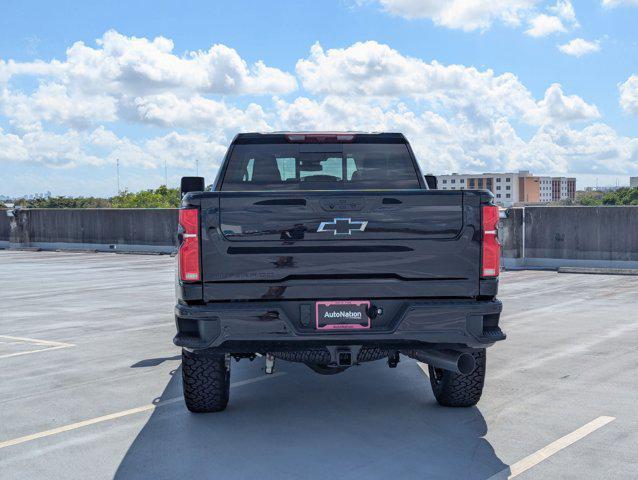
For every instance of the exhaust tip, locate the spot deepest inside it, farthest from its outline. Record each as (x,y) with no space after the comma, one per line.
(466,363)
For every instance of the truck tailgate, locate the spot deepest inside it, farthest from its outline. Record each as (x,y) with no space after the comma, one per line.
(335,244)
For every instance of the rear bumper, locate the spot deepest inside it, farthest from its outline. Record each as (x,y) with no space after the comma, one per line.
(265,326)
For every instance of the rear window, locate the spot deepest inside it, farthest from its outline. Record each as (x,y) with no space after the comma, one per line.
(300,166)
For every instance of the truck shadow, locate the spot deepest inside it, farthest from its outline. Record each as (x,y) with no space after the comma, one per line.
(154,362)
(368,422)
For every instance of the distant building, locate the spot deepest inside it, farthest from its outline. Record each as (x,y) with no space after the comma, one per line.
(546,189)
(512,188)
(562,188)
(633,182)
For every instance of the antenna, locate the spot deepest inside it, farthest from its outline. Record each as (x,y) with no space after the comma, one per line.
(117,166)
(197,167)
(165,174)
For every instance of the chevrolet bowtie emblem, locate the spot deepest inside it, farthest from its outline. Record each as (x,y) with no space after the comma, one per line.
(343,226)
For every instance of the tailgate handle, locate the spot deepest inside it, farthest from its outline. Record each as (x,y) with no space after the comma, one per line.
(282,201)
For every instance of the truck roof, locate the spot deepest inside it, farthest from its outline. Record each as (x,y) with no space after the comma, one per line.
(323,136)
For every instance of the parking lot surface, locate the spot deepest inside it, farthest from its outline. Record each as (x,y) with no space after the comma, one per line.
(91,388)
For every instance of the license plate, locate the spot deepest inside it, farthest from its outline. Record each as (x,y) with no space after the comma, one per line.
(342,315)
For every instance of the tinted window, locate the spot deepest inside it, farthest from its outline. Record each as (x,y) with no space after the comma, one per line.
(302,167)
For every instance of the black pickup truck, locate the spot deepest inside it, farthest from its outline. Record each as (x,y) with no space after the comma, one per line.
(330,249)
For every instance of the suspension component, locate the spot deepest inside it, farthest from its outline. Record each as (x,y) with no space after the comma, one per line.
(270,363)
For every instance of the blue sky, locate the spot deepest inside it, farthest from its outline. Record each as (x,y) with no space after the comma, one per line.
(474,88)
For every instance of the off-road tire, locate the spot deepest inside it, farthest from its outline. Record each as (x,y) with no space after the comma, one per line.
(457,390)
(206,382)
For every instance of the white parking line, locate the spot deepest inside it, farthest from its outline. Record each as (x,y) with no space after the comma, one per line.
(545,452)
(554,447)
(37,341)
(50,345)
(123,413)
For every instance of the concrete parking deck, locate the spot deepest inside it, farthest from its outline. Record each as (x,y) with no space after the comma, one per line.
(90,388)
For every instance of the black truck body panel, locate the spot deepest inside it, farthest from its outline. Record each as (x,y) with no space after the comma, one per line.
(267,256)
(256,246)
(267,326)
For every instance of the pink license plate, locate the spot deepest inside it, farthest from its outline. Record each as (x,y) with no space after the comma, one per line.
(342,315)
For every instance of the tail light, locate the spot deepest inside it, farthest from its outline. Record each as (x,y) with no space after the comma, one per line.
(189,247)
(491,252)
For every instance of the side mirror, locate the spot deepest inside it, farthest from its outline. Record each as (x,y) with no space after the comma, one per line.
(431,181)
(192,184)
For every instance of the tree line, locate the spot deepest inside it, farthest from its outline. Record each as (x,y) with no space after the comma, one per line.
(162,197)
(622,196)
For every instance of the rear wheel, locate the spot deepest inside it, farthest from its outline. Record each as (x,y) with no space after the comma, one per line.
(206,381)
(456,390)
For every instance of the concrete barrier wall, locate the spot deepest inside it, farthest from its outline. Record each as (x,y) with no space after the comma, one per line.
(109,226)
(511,233)
(571,236)
(5,229)
(97,229)
(584,233)
(541,237)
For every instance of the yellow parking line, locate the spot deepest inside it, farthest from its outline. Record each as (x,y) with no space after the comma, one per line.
(113,416)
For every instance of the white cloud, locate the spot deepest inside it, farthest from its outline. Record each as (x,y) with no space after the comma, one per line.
(12,148)
(37,68)
(457,144)
(557,107)
(137,66)
(335,112)
(102,147)
(629,95)
(176,149)
(458,118)
(199,113)
(616,3)
(48,148)
(562,19)
(594,149)
(565,10)
(371,69)
(183,150)
(579,47)
(466,15)
(440,144)
(471,15)
(53,102)
(543,25)
(139,80)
